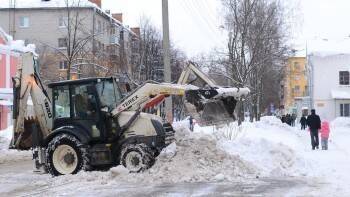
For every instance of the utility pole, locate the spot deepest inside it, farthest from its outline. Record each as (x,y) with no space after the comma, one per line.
(166,54)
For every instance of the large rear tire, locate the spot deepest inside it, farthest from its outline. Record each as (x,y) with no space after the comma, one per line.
(65,154)
(137,157)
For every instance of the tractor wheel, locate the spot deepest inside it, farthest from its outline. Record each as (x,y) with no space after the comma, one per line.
(65,154)
(137,157)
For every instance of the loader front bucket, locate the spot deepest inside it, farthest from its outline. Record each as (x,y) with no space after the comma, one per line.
(207,109)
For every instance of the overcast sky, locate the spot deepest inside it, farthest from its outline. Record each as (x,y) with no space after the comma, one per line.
(194,24)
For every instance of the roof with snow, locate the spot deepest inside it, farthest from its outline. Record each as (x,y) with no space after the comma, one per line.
(30,4)
(328,47)
(16,46)
(338,94)
(45,4)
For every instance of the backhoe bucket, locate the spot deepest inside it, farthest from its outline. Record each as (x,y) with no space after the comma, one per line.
(208,110)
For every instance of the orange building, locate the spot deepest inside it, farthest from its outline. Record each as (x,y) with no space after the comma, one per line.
(295,84)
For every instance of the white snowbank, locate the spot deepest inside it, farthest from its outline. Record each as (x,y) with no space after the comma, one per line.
(7,155)
(266,148)
(273,148)
(341,122)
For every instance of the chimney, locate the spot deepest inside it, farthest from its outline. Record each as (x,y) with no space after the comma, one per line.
(97,2)
(118,17)
(136,30)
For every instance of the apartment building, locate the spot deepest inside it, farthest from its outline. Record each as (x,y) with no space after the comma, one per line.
(77,34)
(295,84)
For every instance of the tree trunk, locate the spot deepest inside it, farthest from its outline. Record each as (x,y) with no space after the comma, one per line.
(240,112)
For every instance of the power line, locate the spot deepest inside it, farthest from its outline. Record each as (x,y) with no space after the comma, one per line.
(199,22)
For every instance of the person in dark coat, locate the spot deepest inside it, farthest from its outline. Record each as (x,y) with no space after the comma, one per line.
(191,123)
(303,122)
(289,119)
(283,118)
(314,123)
(293,117)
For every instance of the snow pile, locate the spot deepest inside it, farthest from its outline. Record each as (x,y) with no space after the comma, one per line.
(197,159)
(194,157)
(341,122)
(7,155)
(273,148)
(5,137)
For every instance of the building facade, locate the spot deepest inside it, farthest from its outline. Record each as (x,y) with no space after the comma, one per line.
(81,36)
(8,63)
(295,84)
(330,84)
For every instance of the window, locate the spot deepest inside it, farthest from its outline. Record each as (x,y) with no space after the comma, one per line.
(296,91)
(306,93)
(62,102)
(63,65)
(63,21)
(296,66)
(99,26)
(108,95)
(344,77)
(85,105)
(62,43)
(24,21)
(345,110)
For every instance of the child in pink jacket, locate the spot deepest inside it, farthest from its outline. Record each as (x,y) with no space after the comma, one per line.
(324,134)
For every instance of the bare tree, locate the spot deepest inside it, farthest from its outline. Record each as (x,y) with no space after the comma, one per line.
(77,44)
(256,47)
(151,58)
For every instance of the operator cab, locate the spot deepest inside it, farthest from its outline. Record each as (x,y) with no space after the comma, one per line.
(85,104)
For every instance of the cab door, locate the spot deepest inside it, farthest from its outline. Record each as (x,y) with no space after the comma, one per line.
(86,110)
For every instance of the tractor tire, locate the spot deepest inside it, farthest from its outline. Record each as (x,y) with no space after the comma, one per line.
(65,154)
(137,157)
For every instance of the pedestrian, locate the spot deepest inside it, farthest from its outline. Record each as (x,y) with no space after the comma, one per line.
(289,119)
(314,123)
(324,134)
(191,123)
(294,117)
(283,118)
(303,122)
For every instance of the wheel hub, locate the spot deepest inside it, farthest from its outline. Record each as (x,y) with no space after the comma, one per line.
(133,161)
(65,159)
(69,158)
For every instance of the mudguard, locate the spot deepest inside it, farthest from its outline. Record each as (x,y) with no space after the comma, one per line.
(75,131)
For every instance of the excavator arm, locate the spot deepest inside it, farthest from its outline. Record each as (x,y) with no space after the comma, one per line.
(207,102)
(27,83)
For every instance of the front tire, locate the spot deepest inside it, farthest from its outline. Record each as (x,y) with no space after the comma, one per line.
(65,154)
(137,157)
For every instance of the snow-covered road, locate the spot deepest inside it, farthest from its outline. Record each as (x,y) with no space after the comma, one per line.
(211,161)
(17,179)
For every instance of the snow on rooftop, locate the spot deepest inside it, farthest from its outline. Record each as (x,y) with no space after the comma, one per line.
(338,94)
(57,4)
(328,47)
(14,45)
(45,4)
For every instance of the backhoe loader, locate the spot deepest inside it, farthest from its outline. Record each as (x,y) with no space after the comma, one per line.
(88,124)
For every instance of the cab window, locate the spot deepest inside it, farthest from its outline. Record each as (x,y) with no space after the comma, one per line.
(109,96)
(84,102)
(62,102)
